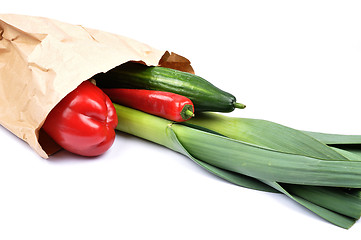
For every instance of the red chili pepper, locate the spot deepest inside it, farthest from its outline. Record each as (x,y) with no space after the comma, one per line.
(83,122)
(163,104)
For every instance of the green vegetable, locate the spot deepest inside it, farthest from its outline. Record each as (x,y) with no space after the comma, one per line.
(336,139)
(204,95)
(319,180)
(266,134)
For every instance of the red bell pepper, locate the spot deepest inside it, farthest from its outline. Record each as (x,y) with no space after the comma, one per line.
(83,122)
(167,105)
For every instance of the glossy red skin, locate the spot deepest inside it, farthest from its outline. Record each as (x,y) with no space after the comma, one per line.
(163,104)
(83,122)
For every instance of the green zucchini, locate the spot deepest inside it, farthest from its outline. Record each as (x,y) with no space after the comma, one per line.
(204,95)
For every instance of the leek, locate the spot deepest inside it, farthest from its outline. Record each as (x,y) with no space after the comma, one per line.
(276,159)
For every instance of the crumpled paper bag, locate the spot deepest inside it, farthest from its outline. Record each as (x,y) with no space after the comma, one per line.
(42,60)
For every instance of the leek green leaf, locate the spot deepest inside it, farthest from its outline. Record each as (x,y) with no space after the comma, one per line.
(331,216)
(332,139)
(266,164)
(266,134)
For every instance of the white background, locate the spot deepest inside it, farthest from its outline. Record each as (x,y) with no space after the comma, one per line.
(293,62)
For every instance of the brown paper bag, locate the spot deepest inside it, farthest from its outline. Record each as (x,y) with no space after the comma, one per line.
(42,60)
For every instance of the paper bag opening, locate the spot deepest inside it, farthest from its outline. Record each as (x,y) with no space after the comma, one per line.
(42,60)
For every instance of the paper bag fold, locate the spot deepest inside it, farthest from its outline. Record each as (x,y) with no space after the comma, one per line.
(42,60)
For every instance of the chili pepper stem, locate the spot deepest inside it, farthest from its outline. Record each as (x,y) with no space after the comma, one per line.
(187,112)
(239,105)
